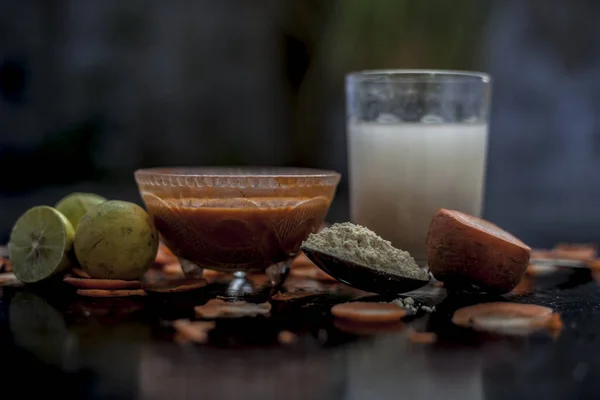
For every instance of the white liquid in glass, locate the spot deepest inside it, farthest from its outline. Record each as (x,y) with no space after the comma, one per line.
(401,174)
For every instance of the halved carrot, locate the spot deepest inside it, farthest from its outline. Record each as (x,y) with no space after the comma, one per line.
(108,284)
(368,312)
(468,252)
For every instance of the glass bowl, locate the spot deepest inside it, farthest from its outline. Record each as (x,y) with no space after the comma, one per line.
(236,219)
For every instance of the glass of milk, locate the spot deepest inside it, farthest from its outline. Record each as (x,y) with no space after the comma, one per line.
(417,142)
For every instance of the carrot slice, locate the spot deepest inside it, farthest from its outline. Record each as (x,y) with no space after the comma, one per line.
(211,273)
(80,273)
(594,264)
(110,293)
(216,308)
(287,337)
(468,252)
(555,323)
(108,284)
(368,312)
(173,268)
(564,251)
(174,285)
(540,270)
(575,251)
(369,328)
(575,246)
(164,255)
(180,339)
(302,261)
(503,317)
(7,265)
(312,272)
(422,337)
(287,296)
(525,286)
(195,331)
(8,279)
(541,254)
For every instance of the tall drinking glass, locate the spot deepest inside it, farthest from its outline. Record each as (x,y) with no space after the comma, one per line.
(417,142)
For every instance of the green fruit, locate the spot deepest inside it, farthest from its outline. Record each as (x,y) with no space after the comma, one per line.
(116,240)
(40,244)
(76,205)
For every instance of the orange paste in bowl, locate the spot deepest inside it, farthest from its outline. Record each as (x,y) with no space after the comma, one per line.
(236,234)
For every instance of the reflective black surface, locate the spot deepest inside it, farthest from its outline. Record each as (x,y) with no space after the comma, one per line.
(53,342)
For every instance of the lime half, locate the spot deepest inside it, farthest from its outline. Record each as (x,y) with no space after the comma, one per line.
(40,243)
(76,205)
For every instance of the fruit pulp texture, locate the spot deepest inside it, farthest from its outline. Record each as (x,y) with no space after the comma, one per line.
(237,234)
(401,174)
(40,243)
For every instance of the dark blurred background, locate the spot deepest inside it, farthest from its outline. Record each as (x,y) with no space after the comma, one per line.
(92,90)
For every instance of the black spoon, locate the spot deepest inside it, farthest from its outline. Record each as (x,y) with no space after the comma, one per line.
(361,276)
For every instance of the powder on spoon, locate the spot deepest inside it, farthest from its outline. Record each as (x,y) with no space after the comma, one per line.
(358,244)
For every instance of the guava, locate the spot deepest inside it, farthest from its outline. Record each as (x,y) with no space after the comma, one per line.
(76,205)
(116,240)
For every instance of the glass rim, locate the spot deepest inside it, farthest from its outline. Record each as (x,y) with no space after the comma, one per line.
(417,75)
(251,178)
